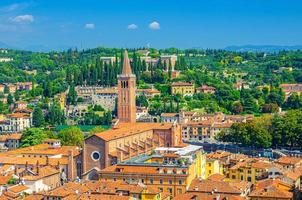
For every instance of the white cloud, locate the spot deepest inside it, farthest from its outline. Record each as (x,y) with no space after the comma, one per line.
(154,25)
(23,19)
(90,26)
(132,26)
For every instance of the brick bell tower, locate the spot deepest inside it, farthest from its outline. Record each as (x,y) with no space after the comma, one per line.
(126,111)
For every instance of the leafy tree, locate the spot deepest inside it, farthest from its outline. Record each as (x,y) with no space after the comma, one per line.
(237,107)
(270,108)
(33,136)
(71,136)
(38,117)
(55,115)
(72,96)
(294,101)
(142,101)
(6,89)
(10,99)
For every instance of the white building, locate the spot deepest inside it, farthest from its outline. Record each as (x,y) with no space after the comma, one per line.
(6,59)
(16,122)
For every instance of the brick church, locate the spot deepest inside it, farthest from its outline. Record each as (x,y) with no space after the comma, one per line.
(127,138)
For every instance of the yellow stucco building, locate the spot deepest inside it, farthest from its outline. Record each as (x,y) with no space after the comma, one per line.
(170,170)
(182,88)
(251,170)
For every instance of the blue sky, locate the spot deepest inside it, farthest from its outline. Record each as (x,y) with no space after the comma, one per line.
(158,23)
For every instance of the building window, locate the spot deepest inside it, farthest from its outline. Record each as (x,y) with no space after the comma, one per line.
(95,156)
(170,190)
(179,191)
(170,182)
(161,181)
(249,179)
(151,181)
(180,182)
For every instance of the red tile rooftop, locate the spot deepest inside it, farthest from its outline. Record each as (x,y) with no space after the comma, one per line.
(127,129)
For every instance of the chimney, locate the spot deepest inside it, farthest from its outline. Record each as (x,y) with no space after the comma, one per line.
(37,166)
(58,165)
(47,161)
(15,170)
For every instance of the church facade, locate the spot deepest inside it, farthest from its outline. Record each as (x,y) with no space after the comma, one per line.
(127,138)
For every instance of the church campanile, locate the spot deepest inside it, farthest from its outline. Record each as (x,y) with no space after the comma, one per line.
(126,111)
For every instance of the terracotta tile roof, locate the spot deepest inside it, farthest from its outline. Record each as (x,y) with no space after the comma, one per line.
(218,155)
(206,87)
(9,195)
(206,196)
(207,123)
(67,189)
(43,149)
(18,188)
(293,175)
(262,165)
(286,160)
(169,114)
(101,196)
(218,186)
(18,115)
(37,154)
(95,189)
(13,136)
(127,129)
(270,182)
(4,168)
(4,179)
(222,125)
(253,163)
(33,161)
(43,172)
(216,177)
(131,169)
(33,197)
(271,192)
(20,110)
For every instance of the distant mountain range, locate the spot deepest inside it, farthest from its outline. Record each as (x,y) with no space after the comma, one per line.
(36,48)
(263,48)
(242,48)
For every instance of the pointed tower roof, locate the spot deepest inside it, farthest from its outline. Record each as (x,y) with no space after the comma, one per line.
(126,64)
